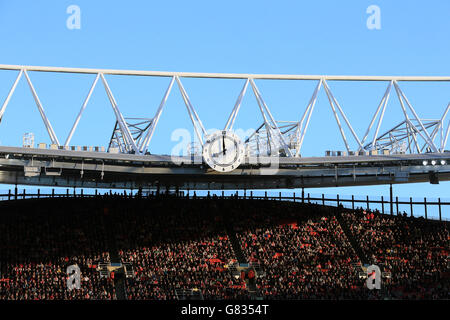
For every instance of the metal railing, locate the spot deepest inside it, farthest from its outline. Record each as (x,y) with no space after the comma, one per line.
(385,206)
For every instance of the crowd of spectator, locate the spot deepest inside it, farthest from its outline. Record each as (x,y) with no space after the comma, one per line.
(39,240)
(177,245)
(412,252)
(303,253)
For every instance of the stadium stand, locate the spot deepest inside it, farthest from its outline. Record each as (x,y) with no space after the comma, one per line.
(304,254)
(413,252)
(177,246)
(214,248)
(38,240)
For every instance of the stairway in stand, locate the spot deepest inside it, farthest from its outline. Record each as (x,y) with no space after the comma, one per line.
(119,273)
(359,252)
(242,260)
(235,245)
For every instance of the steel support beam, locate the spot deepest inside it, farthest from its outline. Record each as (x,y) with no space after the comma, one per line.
(427,138)
(151,130)
(230,122)
(223,75)
(381,106)
(309,110)
(274,125)
(342,114)
(197,123)
(131,145)
(13,88)
(46,121)
(77,120)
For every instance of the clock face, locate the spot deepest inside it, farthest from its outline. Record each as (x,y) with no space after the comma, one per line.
(223,151)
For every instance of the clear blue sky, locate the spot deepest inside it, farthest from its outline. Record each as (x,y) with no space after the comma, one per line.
(294,37)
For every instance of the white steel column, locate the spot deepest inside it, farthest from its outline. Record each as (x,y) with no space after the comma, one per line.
(408,123)
(192,113)
(382,105)
(230,123)
(277,130)
(122,123)
(446,136)
(13,88)
(155,119)
(428,138)
(311,104)
(69,137)
(380,120)
(47,124)
(342,114)
(266,123)
(442,127)
(337,117)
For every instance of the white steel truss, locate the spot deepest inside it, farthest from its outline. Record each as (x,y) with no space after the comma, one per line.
(48,126)
(413,134)
(138,128)
(222,75)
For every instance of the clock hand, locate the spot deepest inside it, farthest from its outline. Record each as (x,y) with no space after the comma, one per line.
(218,153)
(223,145)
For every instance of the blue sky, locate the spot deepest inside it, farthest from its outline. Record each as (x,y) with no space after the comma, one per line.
(292,37)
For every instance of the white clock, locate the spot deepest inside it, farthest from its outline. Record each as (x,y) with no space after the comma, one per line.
(223,151)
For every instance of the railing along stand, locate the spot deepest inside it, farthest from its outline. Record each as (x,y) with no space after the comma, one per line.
(425,204)
(391,199)
(439,204)
(396,203)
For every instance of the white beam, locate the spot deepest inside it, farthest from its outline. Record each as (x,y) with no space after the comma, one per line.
(223,75)
(195,122)
(382,106)
(47,124)
(274,124)
(155,119)
(427,138)
(310,108)
(230,123)
(119,117)
(336,116)
(77,120)
(13,88)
